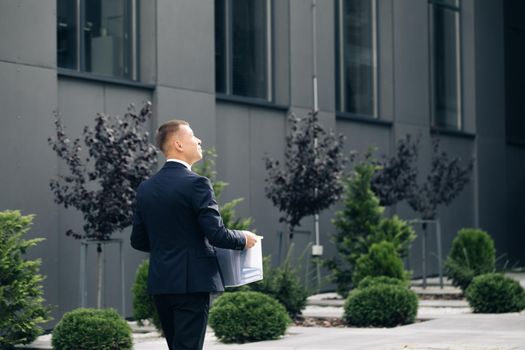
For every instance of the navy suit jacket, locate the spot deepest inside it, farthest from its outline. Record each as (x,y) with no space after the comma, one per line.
(177,221)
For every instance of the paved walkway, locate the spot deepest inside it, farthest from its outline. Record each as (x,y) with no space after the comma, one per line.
(446,332)
(458,332)
(443,325)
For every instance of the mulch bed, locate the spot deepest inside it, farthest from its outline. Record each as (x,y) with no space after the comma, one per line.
(301,321)
(441,296)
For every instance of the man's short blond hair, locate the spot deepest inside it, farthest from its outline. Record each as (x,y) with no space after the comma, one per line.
(166,130)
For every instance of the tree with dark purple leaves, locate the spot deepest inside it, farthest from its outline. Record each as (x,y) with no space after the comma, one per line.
(395,176)
(309,181)
(447,178)
(102,185)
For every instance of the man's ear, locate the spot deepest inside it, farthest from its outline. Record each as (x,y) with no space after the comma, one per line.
(176,144)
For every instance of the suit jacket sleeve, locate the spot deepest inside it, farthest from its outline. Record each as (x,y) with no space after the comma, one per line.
(210,220)
(139,235)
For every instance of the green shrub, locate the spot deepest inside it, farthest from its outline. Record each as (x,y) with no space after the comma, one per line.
(472,254)
(143,304)
(398,232)
(283,284)
(370,281)
(381,305)
(21,308)
(495,293)
(360,224)
(241,317)
(381,260)
(91,329)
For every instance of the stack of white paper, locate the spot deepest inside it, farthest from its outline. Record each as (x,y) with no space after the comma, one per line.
(240,267)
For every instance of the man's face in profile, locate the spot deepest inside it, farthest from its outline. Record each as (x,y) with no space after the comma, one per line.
(191,145)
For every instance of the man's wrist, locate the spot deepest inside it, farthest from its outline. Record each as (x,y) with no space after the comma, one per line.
(245,239)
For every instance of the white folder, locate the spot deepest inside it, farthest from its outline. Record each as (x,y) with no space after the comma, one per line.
(240,267)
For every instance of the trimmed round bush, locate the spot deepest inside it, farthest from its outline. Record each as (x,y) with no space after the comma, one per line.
(241,317)
(381,305)
(472,254)
(377,280)
(495,293)
(283,284)
(92,329)
(143,304)
(382,259)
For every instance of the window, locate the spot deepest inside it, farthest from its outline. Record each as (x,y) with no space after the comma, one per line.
(243,48)
(98,36)
(356,68)
(515,71)
(445,63)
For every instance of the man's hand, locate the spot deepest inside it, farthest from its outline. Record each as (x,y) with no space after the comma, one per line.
(251,239)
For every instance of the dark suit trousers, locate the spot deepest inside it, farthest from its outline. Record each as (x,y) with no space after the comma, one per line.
(184,318)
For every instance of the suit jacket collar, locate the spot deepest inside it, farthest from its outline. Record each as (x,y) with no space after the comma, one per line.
(171,165)
(179,161)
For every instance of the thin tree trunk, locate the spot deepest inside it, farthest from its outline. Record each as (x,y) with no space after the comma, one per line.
(289,239)
(424,255)
(100,276)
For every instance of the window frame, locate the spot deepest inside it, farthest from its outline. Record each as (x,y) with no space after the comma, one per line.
(131,28)
(459,68)
(228,69)
(340,106)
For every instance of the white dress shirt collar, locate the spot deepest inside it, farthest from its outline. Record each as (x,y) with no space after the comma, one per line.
(179,161)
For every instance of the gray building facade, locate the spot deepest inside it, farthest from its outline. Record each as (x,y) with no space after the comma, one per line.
(385,68)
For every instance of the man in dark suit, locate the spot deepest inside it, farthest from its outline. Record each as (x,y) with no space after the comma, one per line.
(177,221)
